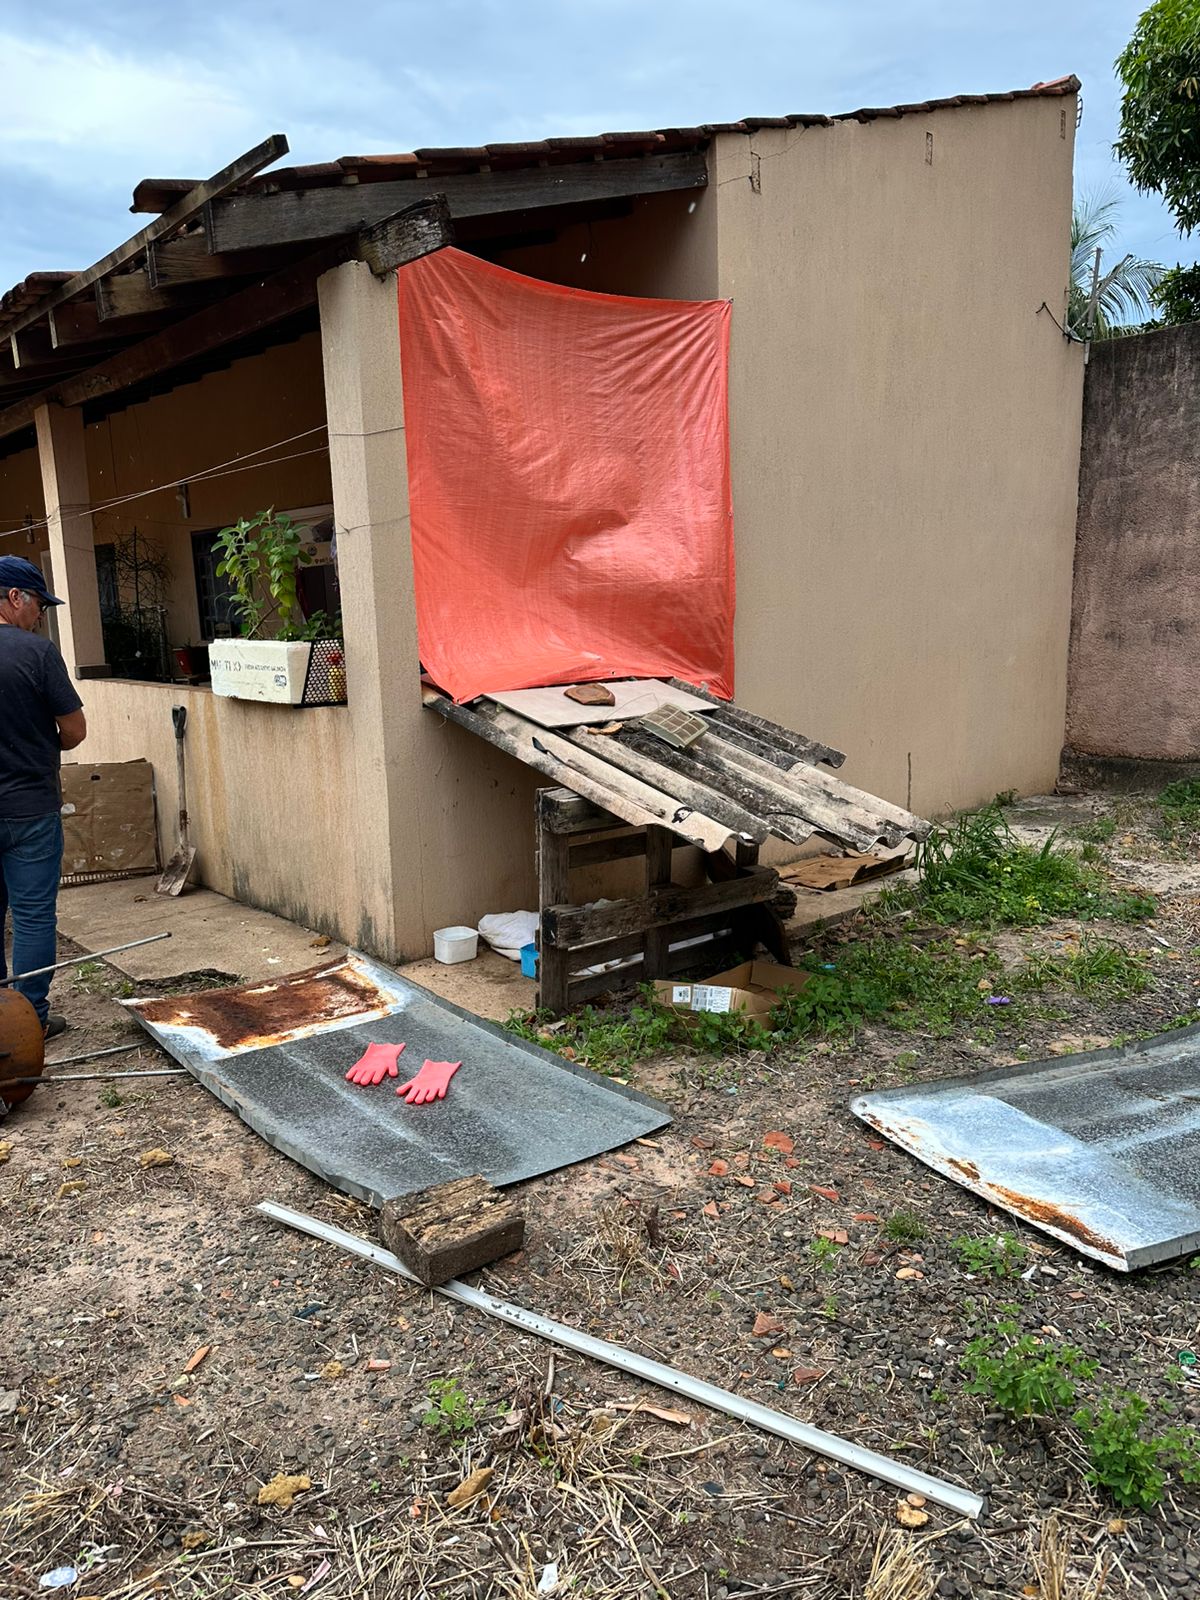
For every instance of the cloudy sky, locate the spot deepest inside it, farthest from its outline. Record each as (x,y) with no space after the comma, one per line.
(97,97)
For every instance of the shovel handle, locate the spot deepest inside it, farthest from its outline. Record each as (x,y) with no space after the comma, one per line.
(179,718)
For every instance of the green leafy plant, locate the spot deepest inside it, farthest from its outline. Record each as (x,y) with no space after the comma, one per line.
(1000,1256)
(728,1031)
(1023,1375)
(824,1252)
(1099,830)
(1179,1449)
(450,1413)
(1159,134)
(903,1227)
(1121,1460)
(1176,295)
(607,1041)
(262,556)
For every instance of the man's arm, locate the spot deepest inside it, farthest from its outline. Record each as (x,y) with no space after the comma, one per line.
(72,729)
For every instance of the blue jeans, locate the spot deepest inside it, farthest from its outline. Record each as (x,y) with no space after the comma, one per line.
(30,865)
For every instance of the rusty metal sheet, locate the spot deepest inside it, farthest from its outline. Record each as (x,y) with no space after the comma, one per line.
(1100,1150)
(277,1053)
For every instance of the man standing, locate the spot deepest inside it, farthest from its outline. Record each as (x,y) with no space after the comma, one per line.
(40,717)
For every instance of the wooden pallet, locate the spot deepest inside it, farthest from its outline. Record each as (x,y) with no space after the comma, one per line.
(572,834)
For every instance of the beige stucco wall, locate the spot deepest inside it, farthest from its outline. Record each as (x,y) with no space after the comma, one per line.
(905,440)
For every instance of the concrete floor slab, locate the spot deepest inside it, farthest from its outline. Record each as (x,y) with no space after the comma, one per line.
(209,933)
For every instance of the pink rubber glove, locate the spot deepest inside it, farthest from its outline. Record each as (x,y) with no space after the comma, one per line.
(374,1065)
(430,1083)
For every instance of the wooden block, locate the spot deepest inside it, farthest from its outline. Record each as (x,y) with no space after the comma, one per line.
(456,1227)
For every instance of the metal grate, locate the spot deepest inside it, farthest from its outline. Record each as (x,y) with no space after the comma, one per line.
(325,680)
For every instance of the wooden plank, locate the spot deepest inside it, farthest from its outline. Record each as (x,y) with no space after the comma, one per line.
(131,294)
(79,323)
(393,241)
(169,222)
(554,888)
(575,925)
(443,1232)
(659,844)
(251,221)
(178,261)
(596,853)
(563,811)
(244,312)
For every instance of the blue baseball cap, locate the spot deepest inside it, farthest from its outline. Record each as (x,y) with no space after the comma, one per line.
(17,573)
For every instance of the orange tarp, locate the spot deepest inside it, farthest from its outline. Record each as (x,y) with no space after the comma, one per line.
(568,459)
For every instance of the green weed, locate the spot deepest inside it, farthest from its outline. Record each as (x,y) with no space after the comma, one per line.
(929,987)
(1120,1458)
(1001,1256)
(1098,969)
(1023,1375)
(728,1032)
(450,1413)
(976,871)
(824,1252)
(110,1097)
(903,1227)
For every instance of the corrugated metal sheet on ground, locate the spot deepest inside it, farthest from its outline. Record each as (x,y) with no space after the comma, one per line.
(1100,1150)
(747,778)
(277,1053)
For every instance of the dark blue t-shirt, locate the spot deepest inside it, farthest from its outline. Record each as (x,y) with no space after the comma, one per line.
(34,690)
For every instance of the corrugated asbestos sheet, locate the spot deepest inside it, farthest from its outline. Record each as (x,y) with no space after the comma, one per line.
(1100,1150)
(277,1052)
(746,779)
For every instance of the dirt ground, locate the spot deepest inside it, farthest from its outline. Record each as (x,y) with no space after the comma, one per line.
(165,1351)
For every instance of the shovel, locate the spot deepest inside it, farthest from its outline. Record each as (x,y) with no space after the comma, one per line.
(175,873)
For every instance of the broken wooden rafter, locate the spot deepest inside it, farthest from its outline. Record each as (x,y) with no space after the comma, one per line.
(251,221)
(423,228)
(246,166)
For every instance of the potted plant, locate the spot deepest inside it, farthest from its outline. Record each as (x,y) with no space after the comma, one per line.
(261,556)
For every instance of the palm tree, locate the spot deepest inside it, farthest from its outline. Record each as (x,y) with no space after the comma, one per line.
(1123,292)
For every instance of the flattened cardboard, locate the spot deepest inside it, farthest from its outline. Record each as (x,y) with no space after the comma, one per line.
(753,988)
(108,819)
(826,873)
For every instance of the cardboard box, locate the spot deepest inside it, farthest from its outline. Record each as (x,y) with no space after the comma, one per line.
(754,988)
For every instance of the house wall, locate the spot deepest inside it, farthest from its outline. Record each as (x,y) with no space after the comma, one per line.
(1135,623)
(905,435)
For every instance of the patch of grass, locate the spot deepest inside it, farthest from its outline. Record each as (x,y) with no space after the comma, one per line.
(1023,1375)
(110,1097)
(904,1227)
(976,871)
(450,1413)
(1180,806)
(1099,969)
(607,1041)
(1001,1256)
(1099,830)
(728,1032)
(928,987)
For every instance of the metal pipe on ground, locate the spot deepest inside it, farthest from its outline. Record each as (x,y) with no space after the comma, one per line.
(91,955)
(830,1445)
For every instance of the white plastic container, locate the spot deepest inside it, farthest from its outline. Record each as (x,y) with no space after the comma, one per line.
(455,944)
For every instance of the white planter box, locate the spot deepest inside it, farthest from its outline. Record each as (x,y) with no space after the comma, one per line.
(259,669)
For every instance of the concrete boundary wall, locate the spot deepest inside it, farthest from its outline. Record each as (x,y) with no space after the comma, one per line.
(1135,622)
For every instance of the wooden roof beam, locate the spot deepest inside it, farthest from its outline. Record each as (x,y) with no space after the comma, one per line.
(183,261)
(246,166)
(290,216)
(131,294)
(79,323)
(420,229)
